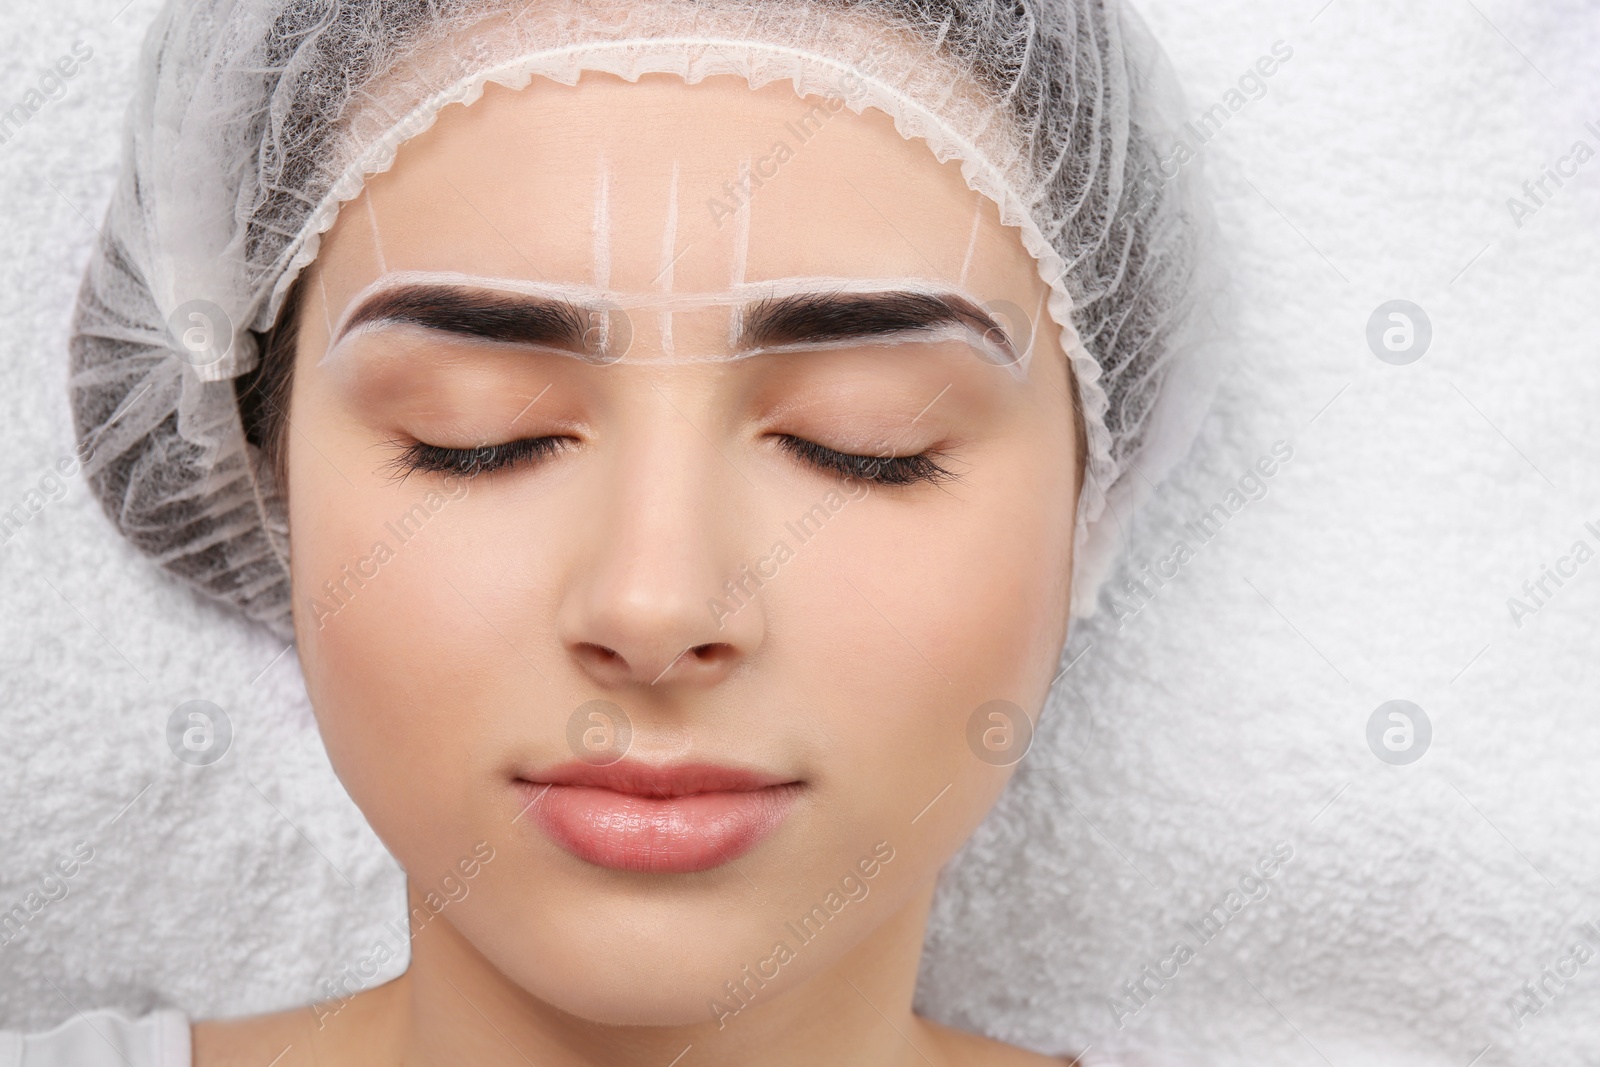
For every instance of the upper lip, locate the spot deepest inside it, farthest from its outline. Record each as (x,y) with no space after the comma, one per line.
(668,780)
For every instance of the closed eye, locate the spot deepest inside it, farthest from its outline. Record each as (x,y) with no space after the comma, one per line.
(421,457)
(471,462)
(882,469)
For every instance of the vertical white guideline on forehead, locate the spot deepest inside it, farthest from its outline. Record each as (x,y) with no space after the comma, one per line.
(322,284)
(377,241)
(972,238)
(1041,321)
(669,257)
(741,255)
(602,227)
(600,256)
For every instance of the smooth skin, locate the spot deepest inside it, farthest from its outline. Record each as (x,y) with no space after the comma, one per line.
(587,574)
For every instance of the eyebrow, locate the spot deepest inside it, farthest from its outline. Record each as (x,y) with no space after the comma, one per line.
(477,313)
(773,322)
(806,318)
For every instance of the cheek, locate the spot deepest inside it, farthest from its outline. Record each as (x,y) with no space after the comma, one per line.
(911,615)
(381,641)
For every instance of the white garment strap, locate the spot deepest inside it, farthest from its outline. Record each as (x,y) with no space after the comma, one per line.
(103,1038)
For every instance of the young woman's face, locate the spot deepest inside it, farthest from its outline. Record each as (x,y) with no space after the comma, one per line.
(713,695)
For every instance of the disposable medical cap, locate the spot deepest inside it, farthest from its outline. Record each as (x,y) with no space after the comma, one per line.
(253,121)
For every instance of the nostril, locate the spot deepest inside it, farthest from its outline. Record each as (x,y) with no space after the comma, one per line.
(598,652)
(612,667)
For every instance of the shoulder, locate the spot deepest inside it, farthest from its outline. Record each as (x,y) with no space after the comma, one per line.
(970,1050)
(102,1037)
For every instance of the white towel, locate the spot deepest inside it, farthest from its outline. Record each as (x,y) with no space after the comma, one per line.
(1225,718)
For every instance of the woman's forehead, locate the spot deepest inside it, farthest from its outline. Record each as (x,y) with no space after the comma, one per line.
(659,185)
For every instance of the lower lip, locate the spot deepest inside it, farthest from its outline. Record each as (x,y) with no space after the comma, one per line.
(656,835)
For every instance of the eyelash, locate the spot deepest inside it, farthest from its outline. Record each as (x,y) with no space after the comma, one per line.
(421,457)
(884,470)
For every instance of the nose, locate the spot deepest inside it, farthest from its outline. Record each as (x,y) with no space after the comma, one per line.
(645,605)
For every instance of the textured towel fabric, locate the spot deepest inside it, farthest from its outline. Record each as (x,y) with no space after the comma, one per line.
(1420,913)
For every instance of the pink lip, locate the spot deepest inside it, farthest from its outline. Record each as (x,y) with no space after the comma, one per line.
(630,816)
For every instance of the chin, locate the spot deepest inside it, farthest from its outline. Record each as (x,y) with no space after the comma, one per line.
(645,988)
(634,1006)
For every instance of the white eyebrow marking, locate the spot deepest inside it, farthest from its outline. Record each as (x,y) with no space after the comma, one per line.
(669,242)
(593,296)
(597,299)
(377,239)
(972,239)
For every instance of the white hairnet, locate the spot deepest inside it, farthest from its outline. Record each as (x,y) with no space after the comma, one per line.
(254,120)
